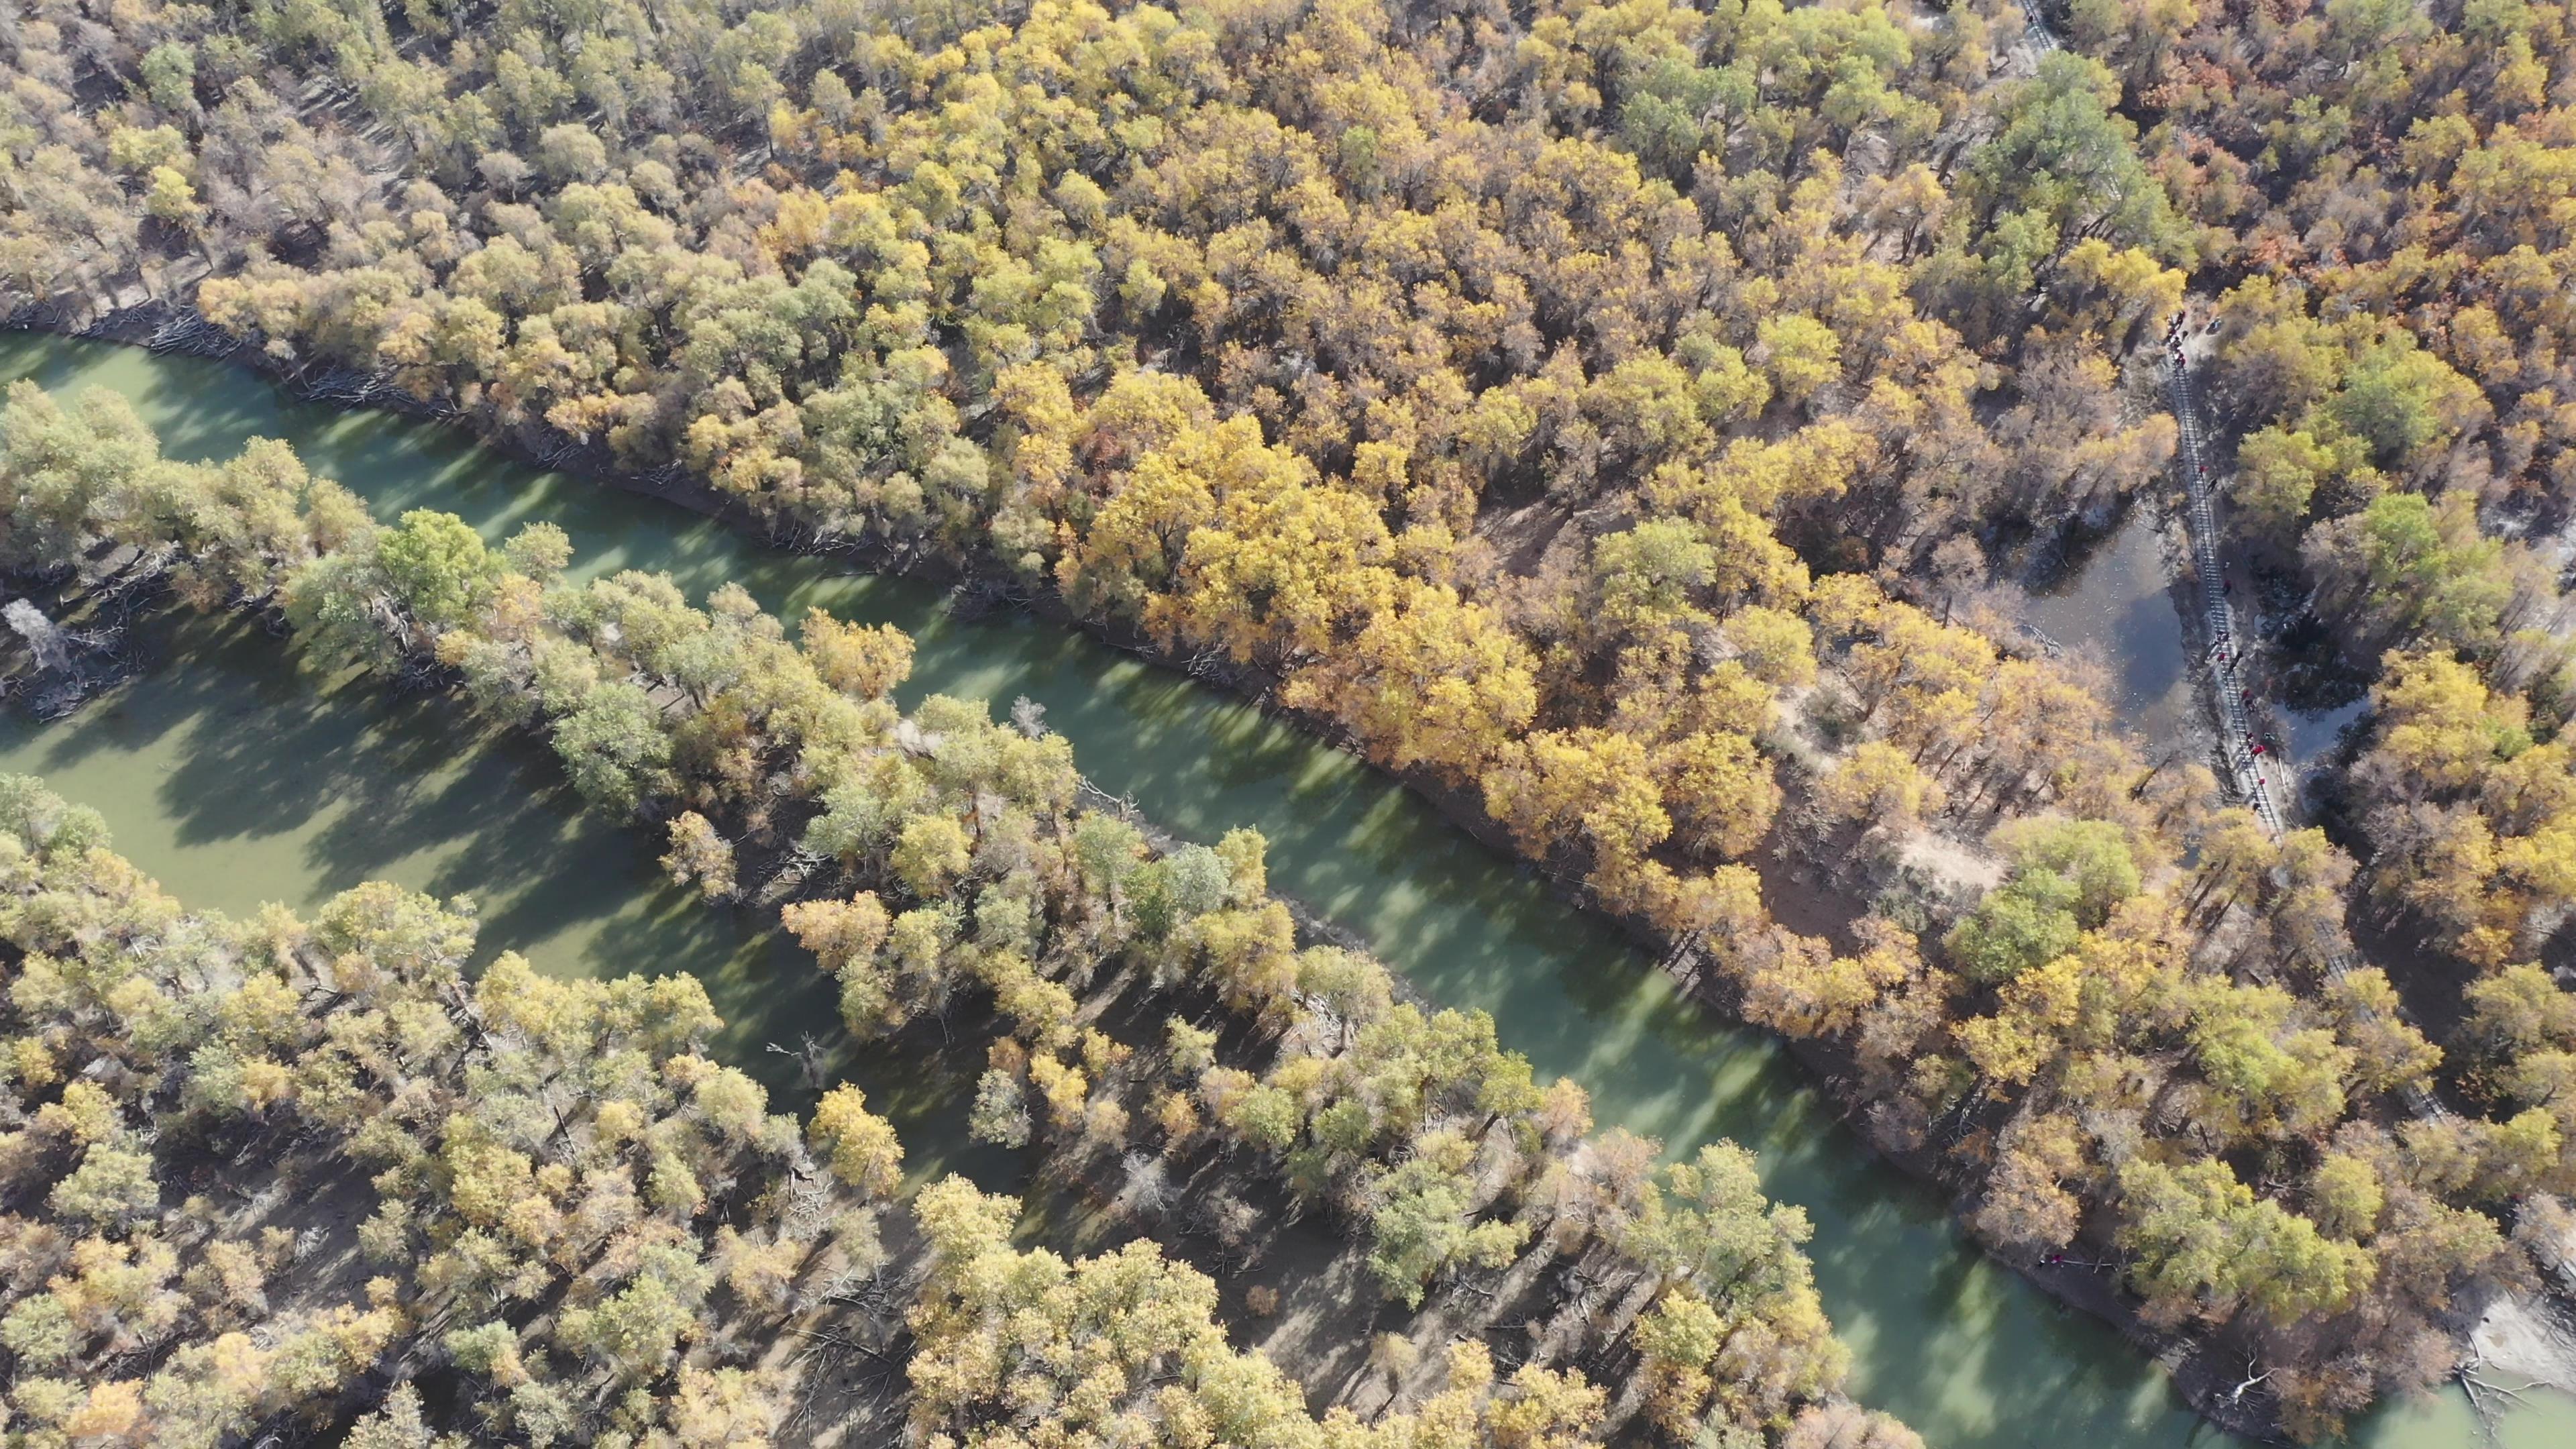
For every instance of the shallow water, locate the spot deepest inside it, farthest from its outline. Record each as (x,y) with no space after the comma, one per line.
(2316,734)
(2112,604)
(227,778)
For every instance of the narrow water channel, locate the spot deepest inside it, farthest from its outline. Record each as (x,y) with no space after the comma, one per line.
(230,781)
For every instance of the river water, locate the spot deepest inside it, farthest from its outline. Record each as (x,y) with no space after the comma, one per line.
(234,783)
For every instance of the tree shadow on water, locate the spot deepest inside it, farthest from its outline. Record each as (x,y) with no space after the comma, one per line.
(130,718)
(216,410)
(264,766)
(410,788)
(254,765)
(658,927)
(535,867)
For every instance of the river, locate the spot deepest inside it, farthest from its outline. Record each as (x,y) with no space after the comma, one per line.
(234,783)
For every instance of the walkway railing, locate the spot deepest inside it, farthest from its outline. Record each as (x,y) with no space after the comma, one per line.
(2228,646)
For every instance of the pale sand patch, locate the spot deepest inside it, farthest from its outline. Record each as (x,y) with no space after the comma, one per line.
(1951,861)
(2521,1339)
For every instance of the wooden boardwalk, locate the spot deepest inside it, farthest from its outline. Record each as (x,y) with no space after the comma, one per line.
(2227,644)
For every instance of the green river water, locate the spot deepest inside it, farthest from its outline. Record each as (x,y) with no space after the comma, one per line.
(234,782)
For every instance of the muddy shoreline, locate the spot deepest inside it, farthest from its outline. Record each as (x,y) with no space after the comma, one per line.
(2193,1364)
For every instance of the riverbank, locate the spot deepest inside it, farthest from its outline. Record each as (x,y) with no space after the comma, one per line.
(1603,1024)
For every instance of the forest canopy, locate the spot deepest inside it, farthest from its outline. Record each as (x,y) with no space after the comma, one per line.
(1614,418)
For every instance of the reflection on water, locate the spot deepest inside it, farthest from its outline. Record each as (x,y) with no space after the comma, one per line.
(2319,693)
(2316,734)
(2111,603)
(228,780)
